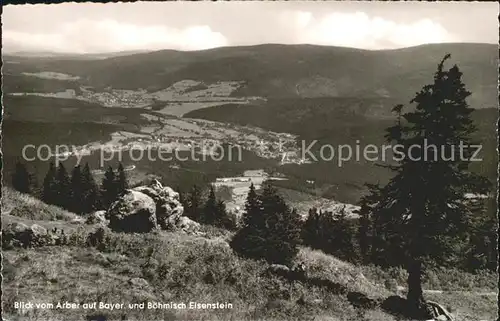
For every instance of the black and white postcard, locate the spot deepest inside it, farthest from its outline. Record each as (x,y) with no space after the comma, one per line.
(253,160)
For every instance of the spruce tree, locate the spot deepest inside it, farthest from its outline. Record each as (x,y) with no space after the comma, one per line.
(77,190)
(481,252)
(210,214)
(21,179)
(253,208)
(246,240)
(195,201)
(341,235)
(49,192)
(332,233)
(423,211)
(90,197)
(223,219)
(182,198)
(285,237)
(365,233)
(121,180)
(311,229)
(271,229)
(62,187)
(214,212)
(108,188)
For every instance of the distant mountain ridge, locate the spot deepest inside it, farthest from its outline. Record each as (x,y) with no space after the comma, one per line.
(288,71)
(70,55)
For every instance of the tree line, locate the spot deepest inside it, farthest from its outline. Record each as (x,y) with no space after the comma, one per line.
(333,233)
(206,208)
(364,241)
(77,191)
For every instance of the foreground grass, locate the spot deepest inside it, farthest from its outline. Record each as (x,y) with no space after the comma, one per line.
(28,207)
(177,268)
(174,267)
(437,279)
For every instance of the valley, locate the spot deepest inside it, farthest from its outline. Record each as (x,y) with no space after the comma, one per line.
(192,105)
(178,99)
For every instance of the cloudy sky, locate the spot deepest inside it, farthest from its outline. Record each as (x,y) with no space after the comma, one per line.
(93,28)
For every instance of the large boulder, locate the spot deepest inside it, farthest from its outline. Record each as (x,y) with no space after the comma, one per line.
(20,235)
(132,212)
(361,301)
(397,305)
(168,207)
(438,312)
(38,231)
(138,282)
(16,235)
(145,208)
(98,217)
(279,269)
(16,227)
(187,225)
(79,220)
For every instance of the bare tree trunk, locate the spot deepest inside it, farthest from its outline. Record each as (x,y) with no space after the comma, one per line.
(415,296)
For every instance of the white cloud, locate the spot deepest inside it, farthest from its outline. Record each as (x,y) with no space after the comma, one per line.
(362,31)
(86,36)
(335,28)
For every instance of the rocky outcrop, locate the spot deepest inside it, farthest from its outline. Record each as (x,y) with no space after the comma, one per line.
(398,306)
(98,217)
(168,207)
(132,212)
(21,235)
(298,272)
(145,208)
(138,283)
(38,230)
(187,225)
(16,227)
(278,269)
(361,301)
(78,220)
(438,312)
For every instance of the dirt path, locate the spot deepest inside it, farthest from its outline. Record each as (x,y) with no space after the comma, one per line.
(462,292)
(454,291)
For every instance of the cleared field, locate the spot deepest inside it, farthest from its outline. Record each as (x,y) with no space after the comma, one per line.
(240,186)
(51,75)
(180,98)
(182,108)
(192,89)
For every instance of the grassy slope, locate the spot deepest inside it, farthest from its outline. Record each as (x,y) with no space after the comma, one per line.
(24,206)
(79,274)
